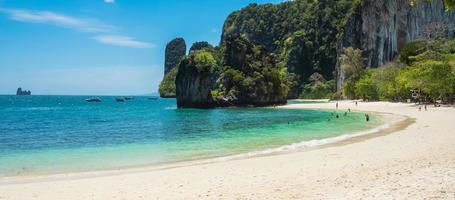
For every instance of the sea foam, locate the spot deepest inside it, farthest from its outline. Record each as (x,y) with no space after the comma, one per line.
(304,144)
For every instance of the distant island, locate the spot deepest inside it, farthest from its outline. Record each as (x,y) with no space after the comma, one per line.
(21,92)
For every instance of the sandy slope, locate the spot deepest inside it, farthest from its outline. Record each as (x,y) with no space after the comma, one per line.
(415,163)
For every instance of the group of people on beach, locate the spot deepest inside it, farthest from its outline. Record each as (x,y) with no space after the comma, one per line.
(367,116)
(425,107)
(336,115)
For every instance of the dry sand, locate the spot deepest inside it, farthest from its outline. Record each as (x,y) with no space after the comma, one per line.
(416,162)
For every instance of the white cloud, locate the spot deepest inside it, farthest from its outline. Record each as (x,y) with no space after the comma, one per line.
(52,18)
(109,1)
(120,40)
(78,24)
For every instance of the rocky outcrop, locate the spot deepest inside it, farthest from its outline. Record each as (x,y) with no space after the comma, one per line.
(246,75)
(195,80)
(21,92)
(175,51)
(380,28)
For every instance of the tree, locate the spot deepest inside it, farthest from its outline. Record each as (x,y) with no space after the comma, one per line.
(437,77)
(450,4)
(352,62)
(251,75)
(352,66)
(433,78)
(366,88)
(412,49)
(318,87)
(385,80)
(199,46)
(167,86)
(349,87)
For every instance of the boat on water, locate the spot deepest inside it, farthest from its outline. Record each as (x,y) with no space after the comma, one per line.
(93,100)
(120,99)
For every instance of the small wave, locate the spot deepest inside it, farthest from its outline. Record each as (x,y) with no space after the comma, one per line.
(30,109)
(40,109)
(171,108)
(303,145)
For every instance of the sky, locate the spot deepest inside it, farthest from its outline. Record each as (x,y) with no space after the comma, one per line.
(100,47)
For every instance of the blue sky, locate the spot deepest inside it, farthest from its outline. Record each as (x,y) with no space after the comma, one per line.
(103,47)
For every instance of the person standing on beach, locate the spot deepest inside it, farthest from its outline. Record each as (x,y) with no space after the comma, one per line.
(426,107)
(337,105)
(356,103)
(349,110)
(367,117)
(420,108)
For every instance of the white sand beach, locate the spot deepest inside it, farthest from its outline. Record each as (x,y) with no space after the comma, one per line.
(416,161)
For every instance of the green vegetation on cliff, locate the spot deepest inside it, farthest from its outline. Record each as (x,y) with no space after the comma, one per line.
(450,4)
(167,85)
(303,33)
(250,75)
(428,67)
(318,88)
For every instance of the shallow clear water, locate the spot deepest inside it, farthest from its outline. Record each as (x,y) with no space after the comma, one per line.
(53,134)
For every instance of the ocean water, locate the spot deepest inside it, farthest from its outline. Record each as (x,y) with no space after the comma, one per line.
(58,134)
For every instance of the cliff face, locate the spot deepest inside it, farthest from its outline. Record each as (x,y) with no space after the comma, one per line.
(175,51)
(380,28)
(195,80)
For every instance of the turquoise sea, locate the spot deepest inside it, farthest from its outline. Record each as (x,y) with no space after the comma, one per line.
(57,134)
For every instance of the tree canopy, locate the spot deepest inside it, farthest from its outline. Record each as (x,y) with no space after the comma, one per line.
(429,69)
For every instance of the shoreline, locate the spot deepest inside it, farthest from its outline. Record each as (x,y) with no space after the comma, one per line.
(417,161)
(389,125)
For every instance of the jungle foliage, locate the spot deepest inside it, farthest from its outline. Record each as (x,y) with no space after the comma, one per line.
(427,67)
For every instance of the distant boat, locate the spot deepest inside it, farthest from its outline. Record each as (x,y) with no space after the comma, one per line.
(153,98)
(93,100)
(120,99)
